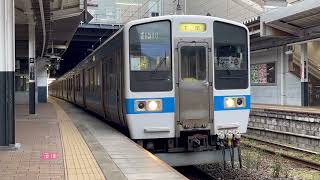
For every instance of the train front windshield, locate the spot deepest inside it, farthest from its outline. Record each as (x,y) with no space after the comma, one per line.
(230,56)
(150,57)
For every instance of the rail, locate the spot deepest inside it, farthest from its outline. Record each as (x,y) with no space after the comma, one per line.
(308,163)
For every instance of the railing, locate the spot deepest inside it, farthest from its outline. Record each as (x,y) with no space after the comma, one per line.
(313,67)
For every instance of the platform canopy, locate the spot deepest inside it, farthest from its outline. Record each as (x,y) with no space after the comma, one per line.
(285,25)
(56,22)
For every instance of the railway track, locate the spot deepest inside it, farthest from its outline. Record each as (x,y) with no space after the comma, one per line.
(302,156)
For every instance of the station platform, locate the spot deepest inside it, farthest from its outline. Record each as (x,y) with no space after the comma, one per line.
(301,109)
(294,126)
(64,142)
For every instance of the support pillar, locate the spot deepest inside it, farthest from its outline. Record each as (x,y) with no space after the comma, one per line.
(42,81)
(32,82)
(304,75)
(283,70)
(7,69)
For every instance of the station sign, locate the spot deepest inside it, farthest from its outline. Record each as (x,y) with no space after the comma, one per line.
(31,70)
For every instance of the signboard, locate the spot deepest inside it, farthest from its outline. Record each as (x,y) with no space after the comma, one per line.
(31,70)
(229,63)
(192,27)
(263,74)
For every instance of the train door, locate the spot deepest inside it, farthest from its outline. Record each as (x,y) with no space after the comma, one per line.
(194,84)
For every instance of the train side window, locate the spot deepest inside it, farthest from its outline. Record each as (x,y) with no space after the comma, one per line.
(88,80)
(93,79)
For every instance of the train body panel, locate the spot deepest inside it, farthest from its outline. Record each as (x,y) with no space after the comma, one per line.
(177,83)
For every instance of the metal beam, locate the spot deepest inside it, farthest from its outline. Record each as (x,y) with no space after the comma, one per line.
(287,28)
(101,26)
(276,42)
(65,13)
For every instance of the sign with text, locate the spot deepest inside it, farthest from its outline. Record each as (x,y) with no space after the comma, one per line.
(31,70)
(48,156)
(192,27)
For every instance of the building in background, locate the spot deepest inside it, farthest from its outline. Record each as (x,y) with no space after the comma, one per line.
(122,11)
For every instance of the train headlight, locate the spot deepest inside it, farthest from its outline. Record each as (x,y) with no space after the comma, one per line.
(229,102)
(154,105)
(241,102)
(148,105)
(140,106)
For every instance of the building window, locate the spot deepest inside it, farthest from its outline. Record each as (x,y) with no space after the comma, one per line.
(263,74)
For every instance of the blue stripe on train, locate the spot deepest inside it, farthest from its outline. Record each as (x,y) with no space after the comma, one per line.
(219,103)
(167,105)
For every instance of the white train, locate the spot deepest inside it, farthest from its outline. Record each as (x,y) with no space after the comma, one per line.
(180,84)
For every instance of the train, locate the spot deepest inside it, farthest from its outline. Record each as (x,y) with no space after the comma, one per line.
(179,84)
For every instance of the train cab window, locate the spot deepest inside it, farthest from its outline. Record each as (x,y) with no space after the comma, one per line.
(230,56)
(150,57)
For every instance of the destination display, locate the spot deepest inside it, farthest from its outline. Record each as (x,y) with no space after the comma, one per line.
(192,27)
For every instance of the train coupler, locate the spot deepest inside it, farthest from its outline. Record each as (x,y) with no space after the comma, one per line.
(198,142)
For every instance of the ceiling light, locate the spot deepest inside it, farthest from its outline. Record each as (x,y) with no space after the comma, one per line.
(128,4)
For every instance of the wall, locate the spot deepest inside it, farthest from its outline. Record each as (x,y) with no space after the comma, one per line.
(22,97)
(299,129)
(271,94)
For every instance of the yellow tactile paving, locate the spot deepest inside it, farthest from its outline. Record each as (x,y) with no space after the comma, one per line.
(78,160)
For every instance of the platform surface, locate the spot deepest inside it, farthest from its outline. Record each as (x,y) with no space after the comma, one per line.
(117,155)
(314,110)
(64,142)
